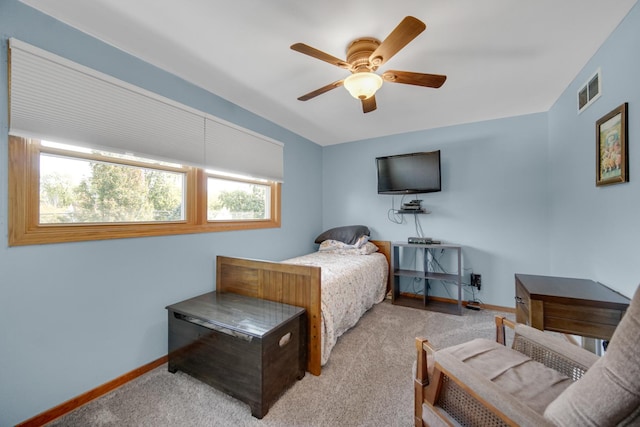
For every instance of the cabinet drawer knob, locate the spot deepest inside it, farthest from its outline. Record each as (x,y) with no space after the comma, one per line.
(519,300)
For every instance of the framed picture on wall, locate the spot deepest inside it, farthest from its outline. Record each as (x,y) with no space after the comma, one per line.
(612,164)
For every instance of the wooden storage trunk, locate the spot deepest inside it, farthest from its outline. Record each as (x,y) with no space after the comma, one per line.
(249,348)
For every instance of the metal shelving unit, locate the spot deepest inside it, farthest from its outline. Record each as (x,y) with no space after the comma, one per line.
(426,274)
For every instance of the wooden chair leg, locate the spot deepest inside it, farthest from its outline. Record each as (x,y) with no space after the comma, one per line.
(421,380)
(500,336)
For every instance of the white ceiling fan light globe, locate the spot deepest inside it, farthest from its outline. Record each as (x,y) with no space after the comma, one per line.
(363,85)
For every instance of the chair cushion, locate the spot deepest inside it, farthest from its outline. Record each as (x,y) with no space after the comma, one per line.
(609,392)
(530,382)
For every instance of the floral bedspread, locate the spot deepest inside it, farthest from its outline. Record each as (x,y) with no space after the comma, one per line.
(350,285)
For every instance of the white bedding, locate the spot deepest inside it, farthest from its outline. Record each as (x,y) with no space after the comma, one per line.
(350,285)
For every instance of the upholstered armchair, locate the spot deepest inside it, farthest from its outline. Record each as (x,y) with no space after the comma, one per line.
(542,380)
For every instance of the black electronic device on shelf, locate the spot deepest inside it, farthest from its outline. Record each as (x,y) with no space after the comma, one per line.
(412,211)
(412,207)
(423,241)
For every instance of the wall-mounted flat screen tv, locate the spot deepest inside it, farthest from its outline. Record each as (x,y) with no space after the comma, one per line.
(412,173)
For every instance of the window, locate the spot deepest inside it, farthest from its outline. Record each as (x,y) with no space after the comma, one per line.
(60,193)
(98,189)
(63,194)
(237,200)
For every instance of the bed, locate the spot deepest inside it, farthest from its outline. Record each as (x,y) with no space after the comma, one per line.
(331,308)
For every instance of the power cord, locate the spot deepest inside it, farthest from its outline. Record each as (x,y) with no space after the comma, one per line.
(392,214)
(472,304)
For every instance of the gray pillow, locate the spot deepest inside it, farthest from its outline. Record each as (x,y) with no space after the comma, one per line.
(348,234)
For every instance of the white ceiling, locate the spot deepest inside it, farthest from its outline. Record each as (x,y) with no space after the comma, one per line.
(502,57)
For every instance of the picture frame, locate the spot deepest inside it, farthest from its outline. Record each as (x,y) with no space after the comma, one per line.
(612,162)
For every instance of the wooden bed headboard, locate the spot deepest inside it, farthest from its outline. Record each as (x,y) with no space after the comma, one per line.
(384,247)
(291,284)
(297,285)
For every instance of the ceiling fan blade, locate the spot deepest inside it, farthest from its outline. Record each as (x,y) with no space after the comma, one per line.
(369,104)
(318,54)
(320,91)
(407,30)
(418,79)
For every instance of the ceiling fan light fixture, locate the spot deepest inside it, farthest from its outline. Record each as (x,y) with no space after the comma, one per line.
(363,85)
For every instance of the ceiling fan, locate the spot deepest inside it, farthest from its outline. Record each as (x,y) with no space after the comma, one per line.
(364,56)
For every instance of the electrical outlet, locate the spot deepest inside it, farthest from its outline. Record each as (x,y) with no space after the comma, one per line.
(476,280)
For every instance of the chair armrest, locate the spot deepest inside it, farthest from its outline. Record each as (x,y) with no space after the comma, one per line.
(555,353)
(552,351)
(511,410)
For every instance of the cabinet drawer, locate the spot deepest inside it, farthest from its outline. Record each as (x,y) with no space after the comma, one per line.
(602,316)
(592,322)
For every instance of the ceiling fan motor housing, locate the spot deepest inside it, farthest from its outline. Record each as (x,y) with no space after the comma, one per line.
(358,53)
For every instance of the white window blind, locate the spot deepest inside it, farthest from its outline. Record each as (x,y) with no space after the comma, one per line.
(230,149)
(57,99)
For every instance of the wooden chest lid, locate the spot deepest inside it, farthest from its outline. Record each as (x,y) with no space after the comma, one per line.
(250,316)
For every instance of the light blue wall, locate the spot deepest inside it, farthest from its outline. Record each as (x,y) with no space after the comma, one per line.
(74,316)
(595,231)
(518,194)
(493,200)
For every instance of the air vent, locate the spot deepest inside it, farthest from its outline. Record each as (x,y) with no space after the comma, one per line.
(589,92)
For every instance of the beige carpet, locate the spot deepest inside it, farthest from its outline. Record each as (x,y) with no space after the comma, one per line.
(367,381)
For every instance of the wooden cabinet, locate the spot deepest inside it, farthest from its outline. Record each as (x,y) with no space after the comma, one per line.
(573,306)
(249,348)
(428,273)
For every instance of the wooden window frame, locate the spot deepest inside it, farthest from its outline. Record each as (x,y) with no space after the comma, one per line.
(24,203)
